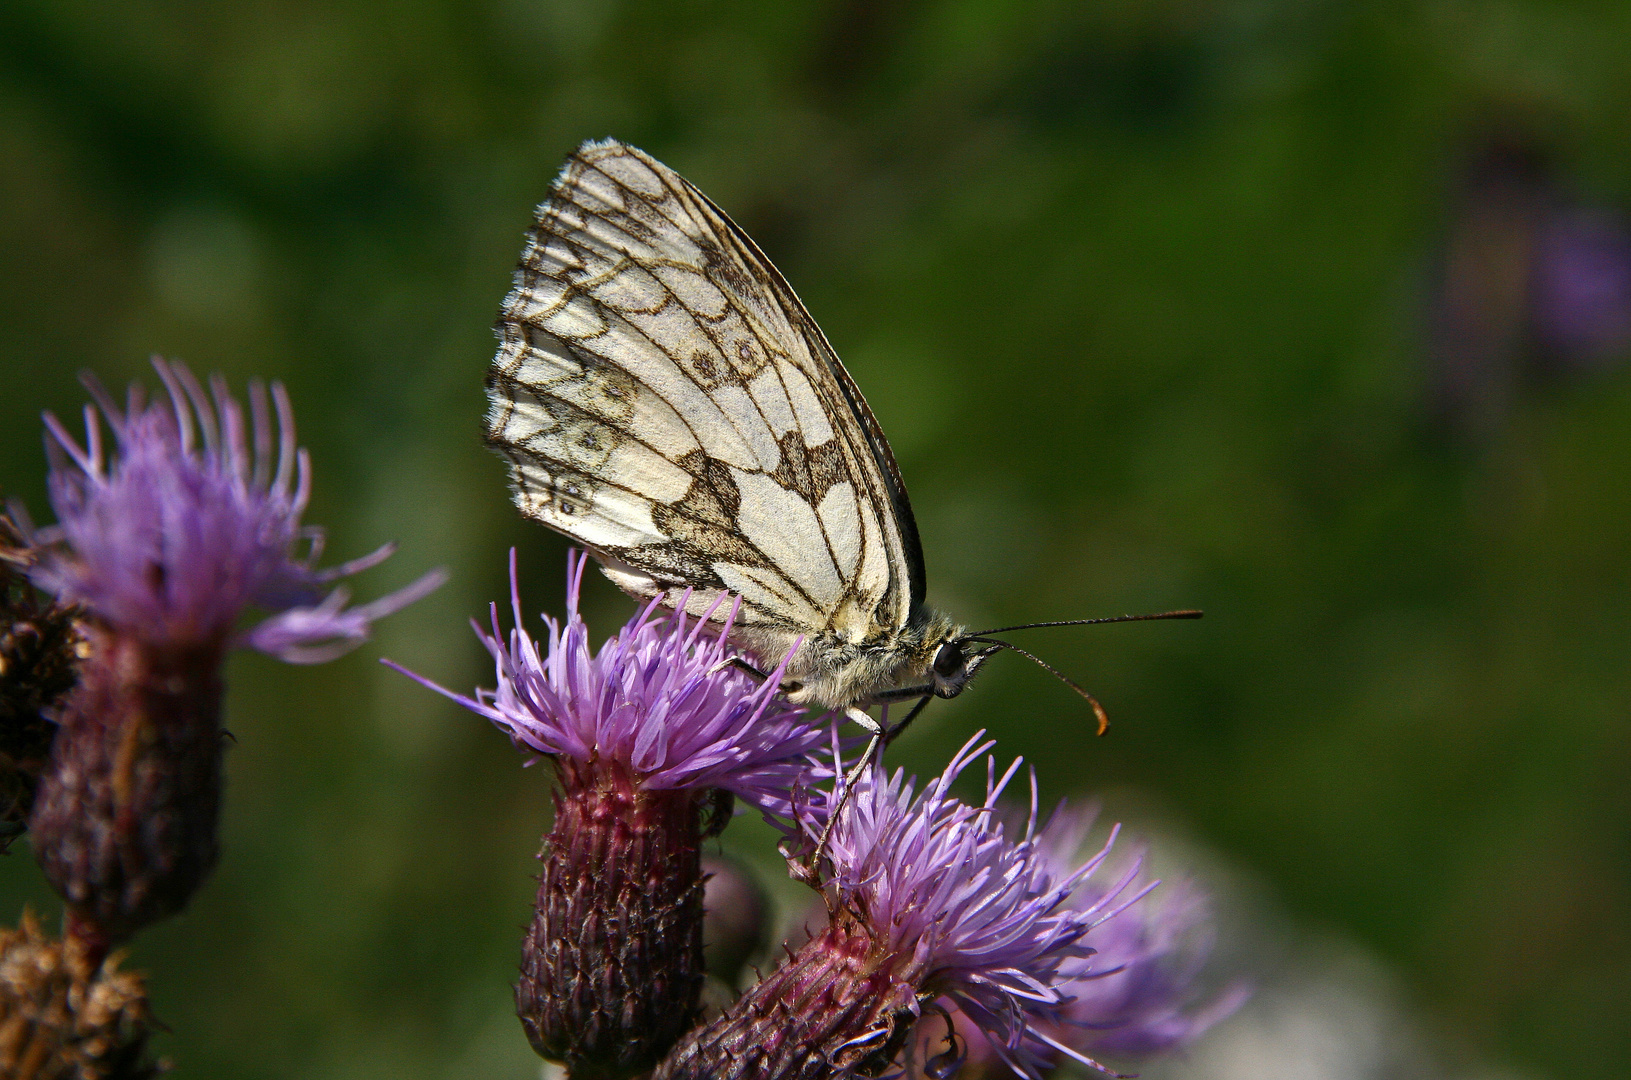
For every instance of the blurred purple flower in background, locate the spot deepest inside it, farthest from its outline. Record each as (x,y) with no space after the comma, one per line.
(1533,282)
(1138,994)
(1580,288)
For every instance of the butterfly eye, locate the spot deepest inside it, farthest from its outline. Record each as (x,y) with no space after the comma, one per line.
(949,660)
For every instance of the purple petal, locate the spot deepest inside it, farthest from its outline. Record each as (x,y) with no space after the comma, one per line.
(661,697)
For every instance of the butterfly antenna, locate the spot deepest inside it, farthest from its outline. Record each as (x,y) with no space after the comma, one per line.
(1186,614)
(1098,710)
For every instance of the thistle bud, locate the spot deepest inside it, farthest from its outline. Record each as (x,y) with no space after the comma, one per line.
(738,917)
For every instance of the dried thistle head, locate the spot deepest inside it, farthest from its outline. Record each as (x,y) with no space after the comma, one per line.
(40,647)
(63,1017)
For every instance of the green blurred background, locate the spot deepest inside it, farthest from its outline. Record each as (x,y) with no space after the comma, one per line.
(1235,305)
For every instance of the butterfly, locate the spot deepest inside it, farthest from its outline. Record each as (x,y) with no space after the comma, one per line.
(665,400)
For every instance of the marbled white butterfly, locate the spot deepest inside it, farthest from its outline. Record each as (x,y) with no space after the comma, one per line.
(664,399)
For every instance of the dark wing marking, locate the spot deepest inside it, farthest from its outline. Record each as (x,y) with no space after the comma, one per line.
(748,252)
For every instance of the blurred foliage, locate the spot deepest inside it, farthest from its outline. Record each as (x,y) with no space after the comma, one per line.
(1143,292)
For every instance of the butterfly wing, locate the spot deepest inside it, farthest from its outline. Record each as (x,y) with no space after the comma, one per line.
(664,399)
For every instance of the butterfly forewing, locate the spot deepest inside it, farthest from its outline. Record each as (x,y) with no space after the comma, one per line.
(664,399)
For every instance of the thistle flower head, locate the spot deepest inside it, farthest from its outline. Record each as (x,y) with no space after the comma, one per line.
(194,516)
(1044,955)
(163,541)
(645,734)
(662,698)
(1134,994)
(973,916)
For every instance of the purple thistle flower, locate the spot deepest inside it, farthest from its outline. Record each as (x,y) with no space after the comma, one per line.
(196,518)
(996,935)
(1135,994)
(662,699)
(165,542)
(932,905)
(650,738)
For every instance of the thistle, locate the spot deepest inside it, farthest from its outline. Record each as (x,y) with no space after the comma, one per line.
(1140,993)
(64,1016)
(933,910)
(164,542)
(652,738)
(1137,994)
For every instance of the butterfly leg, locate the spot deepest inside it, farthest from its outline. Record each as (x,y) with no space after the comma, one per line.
(807,871)
(875,748)
(881,737)
(741,665)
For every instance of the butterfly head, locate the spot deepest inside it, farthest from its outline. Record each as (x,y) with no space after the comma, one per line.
(955,664)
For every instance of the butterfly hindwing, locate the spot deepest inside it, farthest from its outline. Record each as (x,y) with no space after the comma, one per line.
(664,399)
